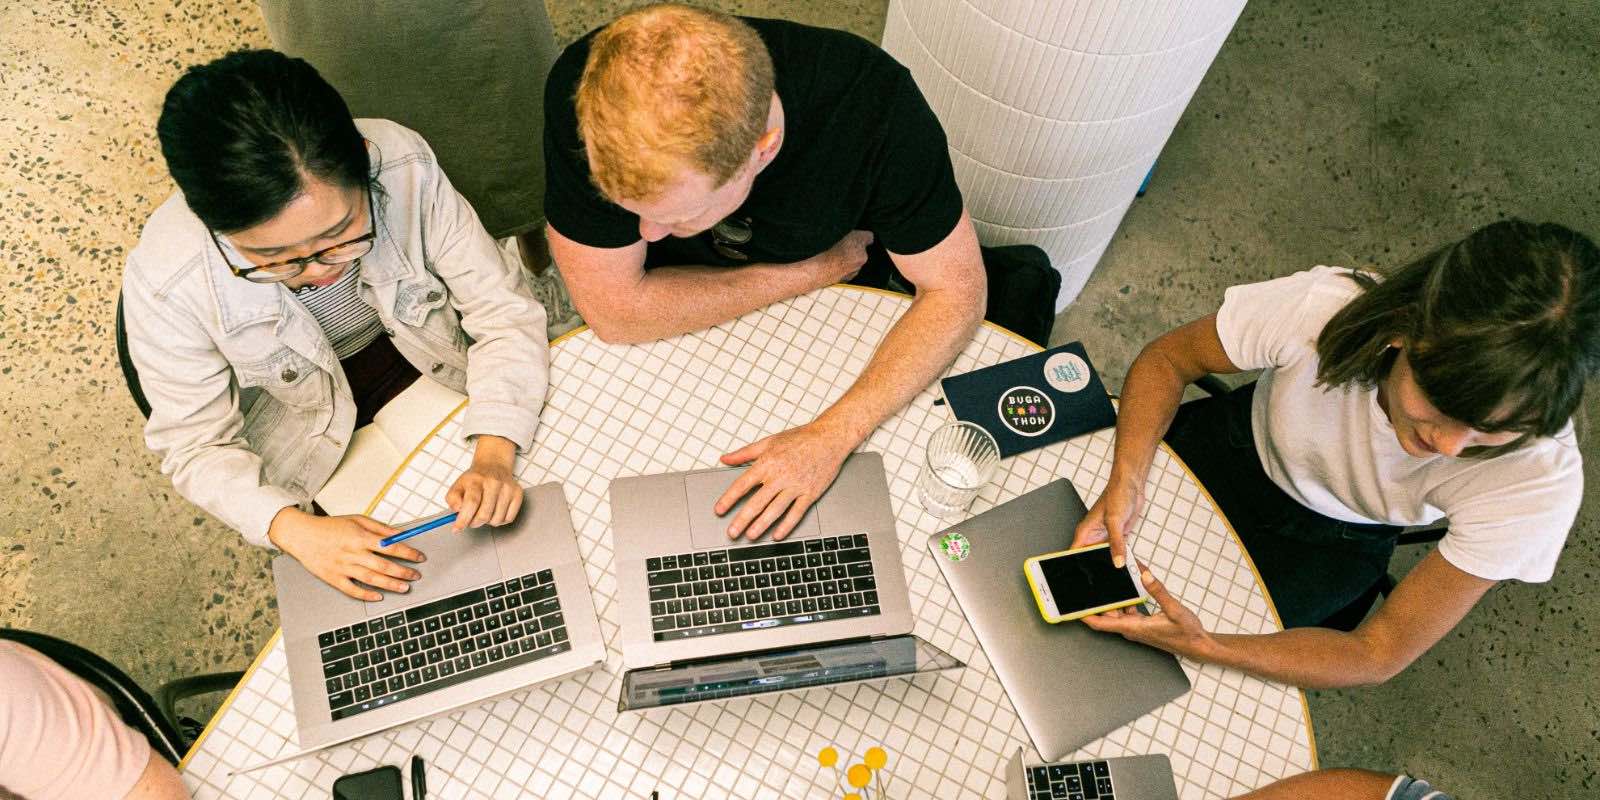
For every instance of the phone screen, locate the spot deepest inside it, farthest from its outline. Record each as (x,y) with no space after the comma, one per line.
(1086,580)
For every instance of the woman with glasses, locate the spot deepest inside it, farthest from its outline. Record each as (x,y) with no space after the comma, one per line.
(309,269)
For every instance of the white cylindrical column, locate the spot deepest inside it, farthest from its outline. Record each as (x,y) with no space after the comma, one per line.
(1056,109)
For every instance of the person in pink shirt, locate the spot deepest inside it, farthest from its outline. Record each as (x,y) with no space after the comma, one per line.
(61,739)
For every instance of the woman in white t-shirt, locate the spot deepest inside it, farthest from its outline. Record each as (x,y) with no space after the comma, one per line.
(1443,390)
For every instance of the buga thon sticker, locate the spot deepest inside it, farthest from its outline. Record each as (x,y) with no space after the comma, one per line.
(1026,410)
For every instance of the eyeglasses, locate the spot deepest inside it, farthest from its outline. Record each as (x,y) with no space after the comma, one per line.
(730,233)
(279,271)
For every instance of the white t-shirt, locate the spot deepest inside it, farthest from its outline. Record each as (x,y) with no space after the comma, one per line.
(1335,450)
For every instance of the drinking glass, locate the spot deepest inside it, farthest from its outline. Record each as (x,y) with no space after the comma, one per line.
(961,458)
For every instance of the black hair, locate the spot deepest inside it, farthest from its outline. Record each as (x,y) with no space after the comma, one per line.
(1502,329)
(241,133)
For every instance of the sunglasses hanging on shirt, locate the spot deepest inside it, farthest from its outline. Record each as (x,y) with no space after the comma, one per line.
(729,234)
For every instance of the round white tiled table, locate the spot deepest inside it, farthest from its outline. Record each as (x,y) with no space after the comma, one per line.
(680,403)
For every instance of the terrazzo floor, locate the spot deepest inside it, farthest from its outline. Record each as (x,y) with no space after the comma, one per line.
(1352,133)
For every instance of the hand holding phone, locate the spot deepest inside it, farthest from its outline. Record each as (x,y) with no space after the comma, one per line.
(1076,583)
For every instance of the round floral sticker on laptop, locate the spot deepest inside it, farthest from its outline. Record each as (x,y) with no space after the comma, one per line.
(955,546)
(1066,372)
(1026,410)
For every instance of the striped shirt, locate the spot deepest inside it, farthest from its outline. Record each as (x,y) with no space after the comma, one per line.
(349,323)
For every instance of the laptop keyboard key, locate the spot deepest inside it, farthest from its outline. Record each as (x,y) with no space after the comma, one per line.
(853,555)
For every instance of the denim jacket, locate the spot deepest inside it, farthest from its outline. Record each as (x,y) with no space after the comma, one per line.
(250,409)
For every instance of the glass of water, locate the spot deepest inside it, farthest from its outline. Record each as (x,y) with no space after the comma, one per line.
(961,458)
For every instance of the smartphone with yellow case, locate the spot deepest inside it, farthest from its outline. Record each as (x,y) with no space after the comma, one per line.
(1076,583)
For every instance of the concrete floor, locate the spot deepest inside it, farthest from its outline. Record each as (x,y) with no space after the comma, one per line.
(1354,133)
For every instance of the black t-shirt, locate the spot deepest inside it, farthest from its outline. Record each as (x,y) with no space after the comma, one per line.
(861,151)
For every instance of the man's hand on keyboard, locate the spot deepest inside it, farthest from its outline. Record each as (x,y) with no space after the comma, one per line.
(343,550)
(791,470)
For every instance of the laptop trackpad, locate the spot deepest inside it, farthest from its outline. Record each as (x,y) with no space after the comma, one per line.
(706,529)
(456,561)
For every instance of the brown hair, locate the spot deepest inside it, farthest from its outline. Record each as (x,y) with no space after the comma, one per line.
(667,87)
(1502,329)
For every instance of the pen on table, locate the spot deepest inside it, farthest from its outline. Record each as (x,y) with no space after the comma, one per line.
(419,779)
(418,530)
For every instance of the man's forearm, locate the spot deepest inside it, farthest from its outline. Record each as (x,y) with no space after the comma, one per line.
(676,300)
(914,352)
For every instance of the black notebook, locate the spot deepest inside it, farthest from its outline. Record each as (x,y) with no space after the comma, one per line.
(1033,401)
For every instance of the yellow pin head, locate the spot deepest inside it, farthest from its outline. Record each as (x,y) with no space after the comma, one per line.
(827,756)
(876,758)
(858,775)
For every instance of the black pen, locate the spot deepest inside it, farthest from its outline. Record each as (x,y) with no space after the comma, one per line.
(419,779)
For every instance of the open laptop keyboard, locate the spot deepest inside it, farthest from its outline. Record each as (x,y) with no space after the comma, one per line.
(761,586)
(1086,780)
(442,643)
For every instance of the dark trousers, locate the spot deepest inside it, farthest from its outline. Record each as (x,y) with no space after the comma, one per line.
(1314,566)
(377,373)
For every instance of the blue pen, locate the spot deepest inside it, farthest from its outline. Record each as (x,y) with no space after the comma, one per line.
(438,522)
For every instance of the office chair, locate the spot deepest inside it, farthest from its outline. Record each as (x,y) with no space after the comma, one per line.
(155,716)
(1350,617)
(130,375)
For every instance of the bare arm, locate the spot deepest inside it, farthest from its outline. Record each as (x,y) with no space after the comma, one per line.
(951,295)
(1427,604)
(795,467)
(625,304)
(1150,397)
(159,781)
(1327,784)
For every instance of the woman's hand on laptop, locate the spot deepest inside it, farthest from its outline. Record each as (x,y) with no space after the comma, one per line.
(1174,628)
(487,493)
(1112,517)
(343,550)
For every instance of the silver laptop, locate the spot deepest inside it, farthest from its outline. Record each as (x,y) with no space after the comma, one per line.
(689,597)
(1126,778)
(496,610)
(1069,684)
